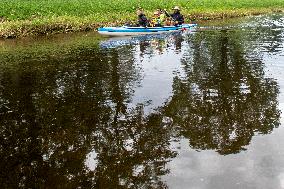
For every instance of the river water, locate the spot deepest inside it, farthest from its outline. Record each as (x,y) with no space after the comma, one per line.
(193,110)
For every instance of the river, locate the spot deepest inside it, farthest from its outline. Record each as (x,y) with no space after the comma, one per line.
(194,110)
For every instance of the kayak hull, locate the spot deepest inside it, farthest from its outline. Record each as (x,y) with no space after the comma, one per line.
(134,31)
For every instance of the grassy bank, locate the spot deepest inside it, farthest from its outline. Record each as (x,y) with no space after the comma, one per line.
(22,17)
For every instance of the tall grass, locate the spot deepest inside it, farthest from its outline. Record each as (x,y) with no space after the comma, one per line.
(101,9)
(89,12)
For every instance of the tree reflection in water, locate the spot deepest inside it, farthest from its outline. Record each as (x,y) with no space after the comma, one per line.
(56,112)
(224,98)
(53,115)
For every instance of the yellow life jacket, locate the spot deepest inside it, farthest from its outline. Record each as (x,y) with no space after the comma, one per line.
(155,21)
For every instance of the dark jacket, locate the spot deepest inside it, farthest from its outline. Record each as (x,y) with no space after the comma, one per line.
(177,17)
(142,20)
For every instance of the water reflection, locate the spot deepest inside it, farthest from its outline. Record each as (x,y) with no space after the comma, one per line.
(224,98)
(148,44)
(68,120)
(53,115)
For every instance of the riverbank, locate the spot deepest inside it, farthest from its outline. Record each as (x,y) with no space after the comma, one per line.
(20,18)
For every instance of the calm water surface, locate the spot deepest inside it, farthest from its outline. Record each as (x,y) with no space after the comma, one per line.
(197,110)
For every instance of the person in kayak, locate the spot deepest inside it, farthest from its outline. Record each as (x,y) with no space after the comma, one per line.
(159,19)
(142,19)
(177,17)
(155,20)
(162,15)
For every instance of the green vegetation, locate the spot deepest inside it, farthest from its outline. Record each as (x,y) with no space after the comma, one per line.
(25,17)
(44,48)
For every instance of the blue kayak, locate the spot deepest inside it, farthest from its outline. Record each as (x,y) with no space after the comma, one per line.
(130,31)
